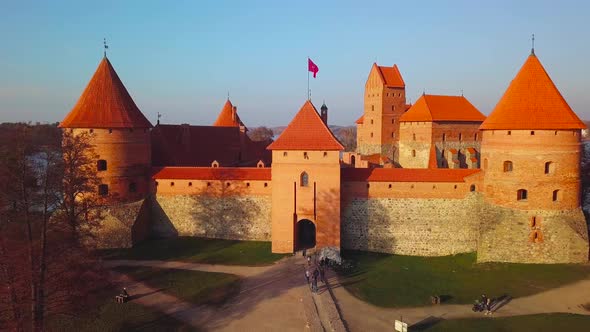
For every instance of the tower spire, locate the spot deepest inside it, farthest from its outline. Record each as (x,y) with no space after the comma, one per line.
(533,44)
(104,42)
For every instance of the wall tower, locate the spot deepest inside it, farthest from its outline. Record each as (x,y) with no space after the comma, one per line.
(119,131)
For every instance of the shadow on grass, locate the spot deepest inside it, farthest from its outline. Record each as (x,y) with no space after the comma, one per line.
(425,324)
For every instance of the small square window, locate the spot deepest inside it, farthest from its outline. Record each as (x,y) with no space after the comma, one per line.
(285,154)
(190,184)
(325,154)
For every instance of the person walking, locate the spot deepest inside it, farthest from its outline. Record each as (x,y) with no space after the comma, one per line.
(322,274)
(307,275)
(314,283)
(488,306)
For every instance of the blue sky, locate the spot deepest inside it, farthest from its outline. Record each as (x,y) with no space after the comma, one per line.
(180,58)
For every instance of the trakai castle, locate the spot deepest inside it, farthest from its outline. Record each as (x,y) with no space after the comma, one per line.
(429,179)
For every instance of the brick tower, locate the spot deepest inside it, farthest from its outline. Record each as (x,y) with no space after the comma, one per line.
(305,184)
(120,133)
(530,154)
(385,102)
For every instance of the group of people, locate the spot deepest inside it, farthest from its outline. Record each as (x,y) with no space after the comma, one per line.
(487,304)
(313,271)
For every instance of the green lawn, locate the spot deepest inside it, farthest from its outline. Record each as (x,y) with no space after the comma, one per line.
(192,286)
(200,250)
(392,280)
(537,323)
(110,316)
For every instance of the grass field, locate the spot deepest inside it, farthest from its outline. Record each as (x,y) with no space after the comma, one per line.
(200,250)
(394,281)
(192,286)
(537,323)
(110,316)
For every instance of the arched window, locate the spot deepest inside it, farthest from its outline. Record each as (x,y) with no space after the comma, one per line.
(549,167)
(352,160)
(444,138)
(371,134)
(460,136)
(413,153)
(101,165)
(414,137)
(507,166)
(371,121)
(472,188)
(555,195)
(372,107)
(304,180)
(475,137)
(521,195)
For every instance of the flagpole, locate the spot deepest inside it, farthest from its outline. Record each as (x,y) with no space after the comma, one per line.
(308,97)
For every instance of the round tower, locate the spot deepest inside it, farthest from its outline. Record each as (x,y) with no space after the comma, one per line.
(530,148)
(119,132)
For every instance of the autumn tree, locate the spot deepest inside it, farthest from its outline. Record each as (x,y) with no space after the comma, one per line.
(48,207)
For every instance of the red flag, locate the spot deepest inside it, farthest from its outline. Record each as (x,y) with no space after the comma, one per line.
(312,67)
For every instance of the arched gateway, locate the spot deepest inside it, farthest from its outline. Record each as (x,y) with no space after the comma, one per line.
(305,234)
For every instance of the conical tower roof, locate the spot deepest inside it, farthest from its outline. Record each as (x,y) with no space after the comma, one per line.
(226,117)
(532,101)
(306,131)
(105,103)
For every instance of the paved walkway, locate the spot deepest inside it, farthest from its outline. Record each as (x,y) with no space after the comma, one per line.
(278,295)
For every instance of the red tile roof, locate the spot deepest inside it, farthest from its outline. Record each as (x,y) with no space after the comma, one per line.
(185,145)
(105,103)
(390,76)
(406,174)
(532,101)
(442,108)
(226,117)
(306,131)
(360,120)
(211,173)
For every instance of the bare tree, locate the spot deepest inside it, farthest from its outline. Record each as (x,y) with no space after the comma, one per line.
(347,137)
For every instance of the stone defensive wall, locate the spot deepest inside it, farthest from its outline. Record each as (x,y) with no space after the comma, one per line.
(214,202)
(421,212)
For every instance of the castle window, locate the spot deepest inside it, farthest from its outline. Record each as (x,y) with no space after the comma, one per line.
(460,136)
(507,166)
(444,137)
(392,120)
(325,154)
(371,134)
(521,195)
(247,184)
(190,184)
(472,188)
(475,137)
(228,184)
(101,165)
(455,187)
(110,131)
(305,156)
(103,189)
(208,184)
(372,107)
(371,121)
(549,168)
(533,222)
(392,135)
(265,185)
(509,132)
(413,153)
(352,160)
(285,154)
(157,183)
(414,137)
(387,94)
(485,163)
(91,131)
(304,179)
(532,132)
(171,184)
(555,195)
(132,187)
(368,185)
(390,186)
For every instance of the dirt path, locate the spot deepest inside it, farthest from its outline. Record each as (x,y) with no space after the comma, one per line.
(242,271)
(361,316)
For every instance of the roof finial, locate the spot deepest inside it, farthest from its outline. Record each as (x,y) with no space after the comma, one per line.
(104,41)
(461,92)
(423,91)
(533,42)
(159,116)
(227,94)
